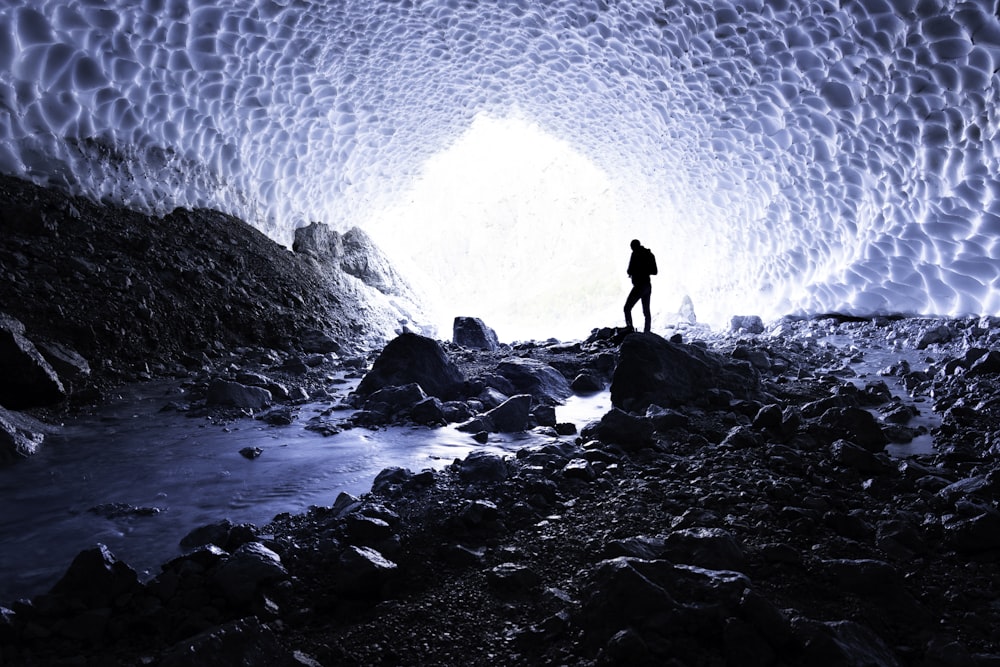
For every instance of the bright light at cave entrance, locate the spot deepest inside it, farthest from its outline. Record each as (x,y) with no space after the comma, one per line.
(513,226)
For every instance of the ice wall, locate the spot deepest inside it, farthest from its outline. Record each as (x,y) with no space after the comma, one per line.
(806,156)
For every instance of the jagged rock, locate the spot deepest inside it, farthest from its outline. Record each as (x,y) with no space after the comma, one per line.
(366,262)
(473,332)
(28,379)
(95,579)
(987,364)
(318,240)
(848,454)
(939,334)
(530,376)
(858,424)
(664,418)
(20,435)
(68,364)
(395,399)
(414,358)
(236,395)
(251,452)
(652,370)
(511,579)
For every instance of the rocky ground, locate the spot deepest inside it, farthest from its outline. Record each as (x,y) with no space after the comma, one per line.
(737,506)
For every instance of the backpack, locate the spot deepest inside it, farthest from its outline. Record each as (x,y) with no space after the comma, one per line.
(650,262)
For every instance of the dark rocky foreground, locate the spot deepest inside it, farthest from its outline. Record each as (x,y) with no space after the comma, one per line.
(737,506)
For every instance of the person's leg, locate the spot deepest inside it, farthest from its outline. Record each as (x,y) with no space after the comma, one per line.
(645,308)
(633,298)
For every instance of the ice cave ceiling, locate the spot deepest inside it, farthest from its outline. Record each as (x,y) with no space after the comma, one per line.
(778,155)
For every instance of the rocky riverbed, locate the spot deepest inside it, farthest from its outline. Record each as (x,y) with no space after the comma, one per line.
(736,507)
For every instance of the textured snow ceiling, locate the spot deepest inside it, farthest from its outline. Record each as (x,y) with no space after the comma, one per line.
(778,156)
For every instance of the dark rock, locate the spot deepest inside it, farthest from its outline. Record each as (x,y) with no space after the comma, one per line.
(251,566)
(579,469)
(96,579)
(28,379)
(224,534)
(251,452)
(414,358)
(480,466)
(472,332)
(68,364)
(988,364)
(711,548)
(363,571)
(319,241)
(848,454)
(748,323)
(511,416)
(620,428)
(511,580)
(428,411)
(859,425)
(236,395)
(544,415)
(768,416)
(664,419)
(20,435)
(529,376)
(396,398)
(838,643)
(653,371)
(586,383)
(245,642)
(316,341)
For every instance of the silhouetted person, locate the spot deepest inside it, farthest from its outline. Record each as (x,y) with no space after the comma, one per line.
(641,266)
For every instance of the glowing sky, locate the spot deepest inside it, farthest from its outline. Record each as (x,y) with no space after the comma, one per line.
(777,156)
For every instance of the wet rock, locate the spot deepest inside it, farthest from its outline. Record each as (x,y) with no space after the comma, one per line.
(118,510)
(251,452)
(664,419)
(418,359)
(859,425)
(529,376)
(393,400)
(236,395)
(20,435)
(473,332)
(848,454)
(511,416)
(652,370)
(28,379)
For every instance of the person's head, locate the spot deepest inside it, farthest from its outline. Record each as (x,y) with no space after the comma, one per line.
(635,244)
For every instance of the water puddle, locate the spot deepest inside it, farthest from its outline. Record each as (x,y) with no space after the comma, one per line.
(182,472)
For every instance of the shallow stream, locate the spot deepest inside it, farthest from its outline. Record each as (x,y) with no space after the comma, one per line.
(182,472)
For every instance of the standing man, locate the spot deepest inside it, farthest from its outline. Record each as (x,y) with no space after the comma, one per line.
(641,266)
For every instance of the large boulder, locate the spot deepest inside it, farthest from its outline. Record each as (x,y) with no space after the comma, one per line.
(654,371)
(236,395)
(530,376)
(473,332)
(319,241)
(27,380)
(413,358)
